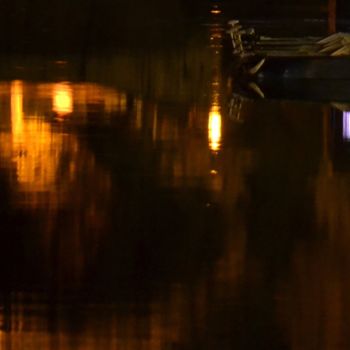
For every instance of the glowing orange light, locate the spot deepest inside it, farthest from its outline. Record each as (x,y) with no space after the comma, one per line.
(62,99)
(17,110)
(215,12)
(31,147)
(214,128)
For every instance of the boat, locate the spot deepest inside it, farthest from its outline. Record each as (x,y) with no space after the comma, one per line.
(289,58)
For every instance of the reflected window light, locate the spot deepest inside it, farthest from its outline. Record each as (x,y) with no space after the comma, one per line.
(38,157)
(214,128)
(346,126)
(62,99)
(32,146)
(17,110)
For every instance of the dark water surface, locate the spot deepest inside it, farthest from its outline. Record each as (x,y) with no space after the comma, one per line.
(142,208)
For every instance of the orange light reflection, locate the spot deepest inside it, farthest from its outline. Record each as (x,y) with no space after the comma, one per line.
(17,110)
(45,164)
(62,99)
(214,128)
(32,146)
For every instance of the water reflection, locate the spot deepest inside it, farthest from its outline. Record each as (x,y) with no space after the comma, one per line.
(277,286)
(315,298)
(31,147)
(346,125)
(17,109)
(125,206)
(137,221)
(43,165)
(34,146)
(86,214)
(62,99)
(214,128)
(215,118)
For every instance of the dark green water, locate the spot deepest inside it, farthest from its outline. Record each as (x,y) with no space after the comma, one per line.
(139,211)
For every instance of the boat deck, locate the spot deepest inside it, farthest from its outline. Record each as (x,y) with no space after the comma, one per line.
(246,42)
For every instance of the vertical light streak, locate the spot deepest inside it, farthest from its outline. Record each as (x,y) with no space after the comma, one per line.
(215,118)
(346,126)
(214,128)
(17,110)
(155,124)
(139,108)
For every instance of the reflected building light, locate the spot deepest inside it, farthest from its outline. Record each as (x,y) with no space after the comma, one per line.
(81,98)
(62,99)
(155,124)
(31,146)
(214,128)
(114,101)
(346,125)
(37,157)
(17,110)
(139,108)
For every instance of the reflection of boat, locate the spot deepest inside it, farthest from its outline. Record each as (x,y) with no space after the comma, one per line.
(290,58)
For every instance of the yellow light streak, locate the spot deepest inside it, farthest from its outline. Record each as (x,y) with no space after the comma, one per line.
(17,110)
(62,99)
(214,128)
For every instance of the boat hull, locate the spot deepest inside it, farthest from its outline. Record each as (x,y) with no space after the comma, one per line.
(319,68)
(317,90)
